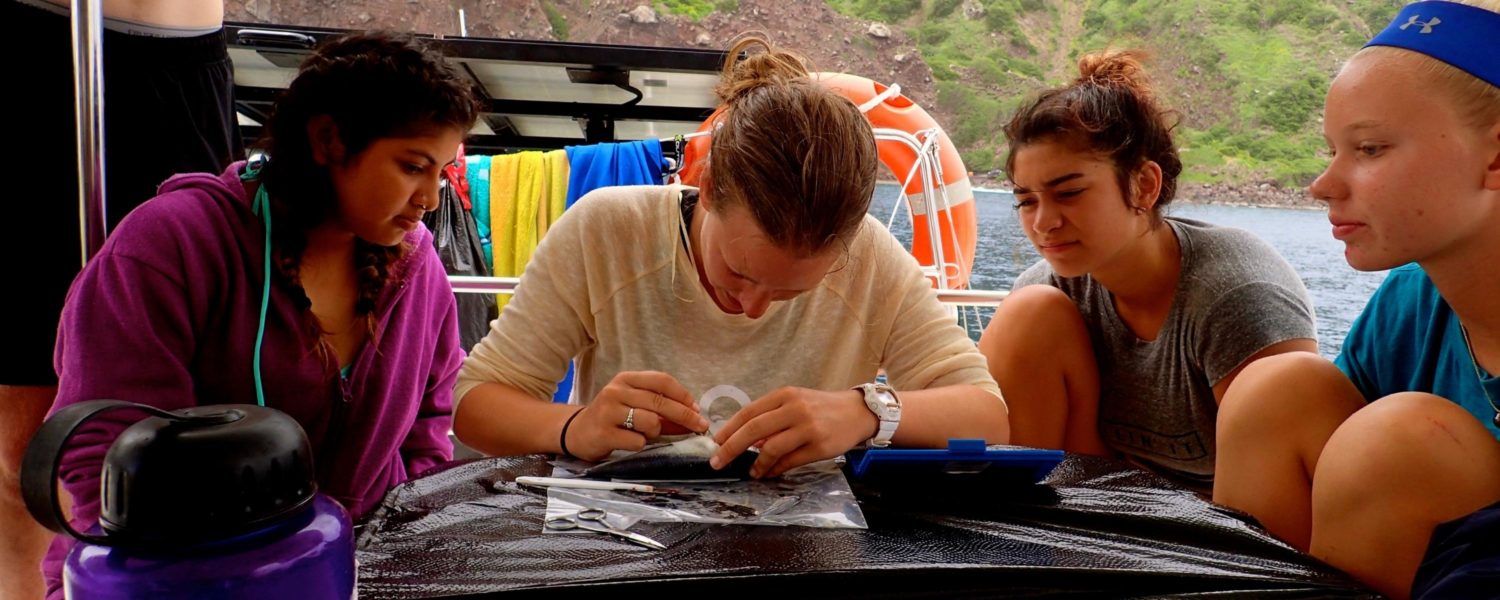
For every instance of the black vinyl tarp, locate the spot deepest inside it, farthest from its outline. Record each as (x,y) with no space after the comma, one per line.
(1094,528)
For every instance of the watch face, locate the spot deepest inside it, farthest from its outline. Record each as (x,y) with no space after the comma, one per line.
(883,404)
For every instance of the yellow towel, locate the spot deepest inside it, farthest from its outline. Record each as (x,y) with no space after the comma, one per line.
(557,181)
(528,192)
(544,202)
(530,179)
(503,172)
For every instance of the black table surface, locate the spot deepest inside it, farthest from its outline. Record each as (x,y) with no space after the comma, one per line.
(1094,528)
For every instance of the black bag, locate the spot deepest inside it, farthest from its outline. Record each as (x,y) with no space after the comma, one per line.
(456,238)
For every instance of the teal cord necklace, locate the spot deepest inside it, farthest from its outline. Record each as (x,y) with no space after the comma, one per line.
(261,206)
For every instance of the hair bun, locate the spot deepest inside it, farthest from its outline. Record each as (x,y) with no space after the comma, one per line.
(1124,68)
(768,67)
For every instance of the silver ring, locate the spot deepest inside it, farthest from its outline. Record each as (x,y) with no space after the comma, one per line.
(630,419)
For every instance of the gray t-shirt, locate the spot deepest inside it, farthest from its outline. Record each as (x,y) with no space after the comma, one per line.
(1235,296)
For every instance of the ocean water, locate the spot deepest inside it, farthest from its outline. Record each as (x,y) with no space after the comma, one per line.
(1301,236)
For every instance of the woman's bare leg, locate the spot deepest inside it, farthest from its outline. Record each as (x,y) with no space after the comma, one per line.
(1389,475)
(1273,423)
(1040,353)
(22,540)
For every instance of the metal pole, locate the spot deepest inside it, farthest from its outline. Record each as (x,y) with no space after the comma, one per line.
(88,86)
(923,171)
(469,284)
(934,232)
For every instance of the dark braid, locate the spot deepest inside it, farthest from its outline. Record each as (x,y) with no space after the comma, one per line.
(374,264)
(416,91)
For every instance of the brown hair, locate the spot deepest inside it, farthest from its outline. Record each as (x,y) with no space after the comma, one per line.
(1476,99)
(1110,109)
(800,157)
(343,78)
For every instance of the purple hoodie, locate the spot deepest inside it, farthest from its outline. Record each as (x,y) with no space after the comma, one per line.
(166,315)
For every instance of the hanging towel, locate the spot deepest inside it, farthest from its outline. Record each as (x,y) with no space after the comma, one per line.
(555,198)
(479,190)
(554,189)
(518,200)
(503,171)
(530,181)
(603,165)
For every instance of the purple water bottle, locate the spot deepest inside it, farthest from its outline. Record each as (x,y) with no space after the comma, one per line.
(214,501)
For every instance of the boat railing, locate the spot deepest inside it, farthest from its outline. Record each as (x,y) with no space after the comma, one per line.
(466,284)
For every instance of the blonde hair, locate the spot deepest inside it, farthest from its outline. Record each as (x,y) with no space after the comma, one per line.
(1475,98)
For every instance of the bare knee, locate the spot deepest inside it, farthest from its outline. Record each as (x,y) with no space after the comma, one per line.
(1039,351)
(1392,423)
(1037,331)
(1410,445)
(1281,390)
(1028,316)
(1036,300)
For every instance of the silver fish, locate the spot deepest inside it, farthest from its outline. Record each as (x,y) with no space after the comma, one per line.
(682,460)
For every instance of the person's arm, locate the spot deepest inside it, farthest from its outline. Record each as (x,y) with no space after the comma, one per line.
(476,427)
(127,333)
(653,403)
(942,380)
(506,384)
(503,397)
(800,425)
(955,411)
(427,444)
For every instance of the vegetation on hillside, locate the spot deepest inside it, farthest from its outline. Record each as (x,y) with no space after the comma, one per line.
(557,20)
(1247,76)
(696,9)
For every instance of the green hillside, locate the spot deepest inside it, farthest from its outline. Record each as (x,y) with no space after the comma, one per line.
(1248,77)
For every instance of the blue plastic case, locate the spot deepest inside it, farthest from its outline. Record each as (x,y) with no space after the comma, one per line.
(963,459)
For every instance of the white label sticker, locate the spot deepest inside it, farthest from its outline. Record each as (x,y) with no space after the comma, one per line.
(719,404)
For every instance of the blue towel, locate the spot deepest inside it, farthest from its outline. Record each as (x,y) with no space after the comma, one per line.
(604,165)
(565,387)
(478,172)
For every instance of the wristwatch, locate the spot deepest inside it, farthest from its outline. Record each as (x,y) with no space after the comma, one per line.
(881,399)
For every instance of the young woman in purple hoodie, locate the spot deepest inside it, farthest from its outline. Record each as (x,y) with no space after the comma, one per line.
(303,280)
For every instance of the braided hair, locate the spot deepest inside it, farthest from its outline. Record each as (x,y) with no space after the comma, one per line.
(343,79)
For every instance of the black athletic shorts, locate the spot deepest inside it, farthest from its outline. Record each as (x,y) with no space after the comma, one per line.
(168,108)
(1463,558)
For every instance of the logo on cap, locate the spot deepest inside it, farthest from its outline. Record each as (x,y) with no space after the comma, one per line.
(1426,27)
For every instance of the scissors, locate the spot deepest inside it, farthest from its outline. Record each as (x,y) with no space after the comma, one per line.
(593,519)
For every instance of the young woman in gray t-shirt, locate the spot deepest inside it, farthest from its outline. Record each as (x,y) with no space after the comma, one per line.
(1141,321)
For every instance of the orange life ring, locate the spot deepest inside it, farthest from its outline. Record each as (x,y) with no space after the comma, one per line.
(957,224)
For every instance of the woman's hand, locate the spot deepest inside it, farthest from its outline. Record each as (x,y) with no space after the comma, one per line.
(660,404)
(796,426)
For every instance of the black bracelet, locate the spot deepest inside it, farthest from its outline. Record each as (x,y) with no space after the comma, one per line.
(562,440)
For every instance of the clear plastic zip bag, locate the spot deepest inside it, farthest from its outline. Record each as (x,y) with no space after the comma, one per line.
(814,495)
